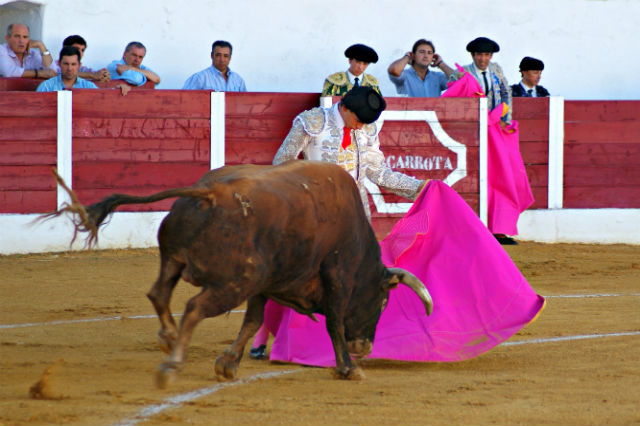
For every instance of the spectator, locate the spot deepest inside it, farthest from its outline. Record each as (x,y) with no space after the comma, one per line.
(417,80)
(68,78)
(488,74)
(360,56)
(87,73)
(23,57)
(130,68)
(531,71)
(218,76)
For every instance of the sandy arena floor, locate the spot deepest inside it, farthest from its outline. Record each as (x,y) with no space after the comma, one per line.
(81,323)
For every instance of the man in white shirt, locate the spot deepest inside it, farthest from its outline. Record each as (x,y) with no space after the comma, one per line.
(23,57)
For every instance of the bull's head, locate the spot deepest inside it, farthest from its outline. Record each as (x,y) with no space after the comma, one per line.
(366,306)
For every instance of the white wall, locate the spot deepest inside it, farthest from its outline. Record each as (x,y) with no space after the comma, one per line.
(588,46)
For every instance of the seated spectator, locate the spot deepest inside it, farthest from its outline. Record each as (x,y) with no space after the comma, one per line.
(130,68)
(22,57)
(360,56)
(416,80)
(218,76)
(68,78)
(87,73)
(531,71)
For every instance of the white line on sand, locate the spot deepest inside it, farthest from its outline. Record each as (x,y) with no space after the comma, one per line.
(178,400)
(118,317)
(566,338)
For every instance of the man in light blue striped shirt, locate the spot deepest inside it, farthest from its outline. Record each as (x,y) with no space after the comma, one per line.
(218,76)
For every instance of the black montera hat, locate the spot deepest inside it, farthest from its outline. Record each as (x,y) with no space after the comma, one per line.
(365,103)
(531,64)
(482,45)
(362,53)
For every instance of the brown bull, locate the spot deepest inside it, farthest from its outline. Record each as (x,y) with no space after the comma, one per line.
(294,233)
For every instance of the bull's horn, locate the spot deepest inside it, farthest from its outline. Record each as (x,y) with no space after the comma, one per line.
(416,285)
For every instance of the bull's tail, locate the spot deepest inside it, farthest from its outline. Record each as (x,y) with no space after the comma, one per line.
(88,219)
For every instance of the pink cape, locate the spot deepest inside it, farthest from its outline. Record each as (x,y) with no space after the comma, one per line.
(464,87)
(480,297)
(509,192)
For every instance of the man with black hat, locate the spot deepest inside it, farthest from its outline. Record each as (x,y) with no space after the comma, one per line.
(360,56)
(531,71)
(488,74)
(346,134)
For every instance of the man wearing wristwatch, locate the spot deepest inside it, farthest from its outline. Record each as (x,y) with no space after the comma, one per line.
(22,57)
(417,80)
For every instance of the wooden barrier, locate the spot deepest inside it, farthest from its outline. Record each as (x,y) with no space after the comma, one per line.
(256,124)
(532,115)
(602,154)
(28,133)
(153,140)
(27,84)
(139,144)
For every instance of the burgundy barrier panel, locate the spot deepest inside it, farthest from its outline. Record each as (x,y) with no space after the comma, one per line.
(532,115)
(26,84)
(154,140)
(602,154)
(28,150)
(414,148)
(144,142)
(256,124)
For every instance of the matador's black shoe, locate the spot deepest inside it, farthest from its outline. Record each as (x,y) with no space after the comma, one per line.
(505,241)
(258,353)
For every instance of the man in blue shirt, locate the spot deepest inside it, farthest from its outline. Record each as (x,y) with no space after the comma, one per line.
(70,65)
(218,76)
(68,77)
(417,80)
(130,68)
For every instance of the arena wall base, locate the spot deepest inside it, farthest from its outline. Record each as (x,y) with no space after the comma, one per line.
(18,233)
(590,226)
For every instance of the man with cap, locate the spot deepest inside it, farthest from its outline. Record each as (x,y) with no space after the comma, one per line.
(218,76)
(531,71)
(488,74)
(345,134)
(360,56)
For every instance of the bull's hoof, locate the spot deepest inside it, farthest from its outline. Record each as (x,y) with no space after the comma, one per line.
(166,341)
(166,374)
(226,369)
(346,373)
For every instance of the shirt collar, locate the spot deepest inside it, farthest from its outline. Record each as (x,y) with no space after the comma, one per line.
(525,87)
(217,71)
(351,77)
(335,115)
(479,71)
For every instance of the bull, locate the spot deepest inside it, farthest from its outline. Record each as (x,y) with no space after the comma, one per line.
(295,233)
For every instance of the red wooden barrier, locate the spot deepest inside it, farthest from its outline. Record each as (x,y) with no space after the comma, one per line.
(26,84)
(411,147)
(256,125)
(152,140)
(28,132)
(532,115)
(141,143)
(602,154)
